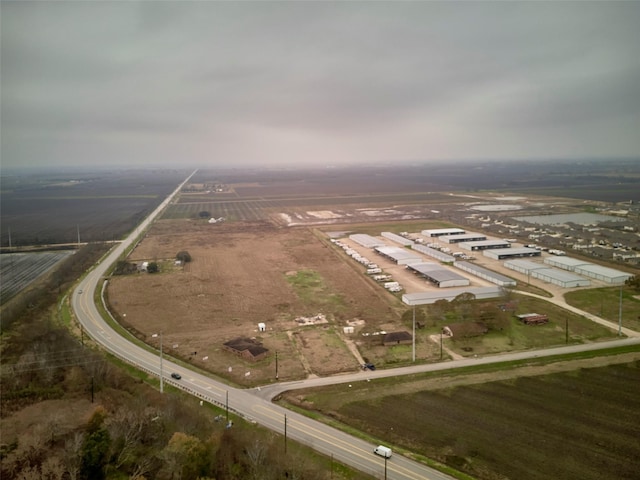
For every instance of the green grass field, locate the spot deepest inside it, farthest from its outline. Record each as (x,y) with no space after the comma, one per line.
(605,302)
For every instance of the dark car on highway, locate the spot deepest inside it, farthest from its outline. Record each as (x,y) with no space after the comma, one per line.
(177,376)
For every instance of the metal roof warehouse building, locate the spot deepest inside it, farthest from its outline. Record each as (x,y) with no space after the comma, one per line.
(401,256)
(466,237)
(503,253)
(485,274)
(562,278)
(591,270)
(438,232)
(438,275)
(485,244)
(432,252)
(427,298)
(366,240)
(397,238)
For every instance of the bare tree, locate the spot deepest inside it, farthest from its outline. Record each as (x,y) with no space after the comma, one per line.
(52,469)
(72,455)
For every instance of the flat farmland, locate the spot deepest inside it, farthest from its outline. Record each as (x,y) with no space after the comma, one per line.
(102,206)
(576,424)
(230,210)
(18,270)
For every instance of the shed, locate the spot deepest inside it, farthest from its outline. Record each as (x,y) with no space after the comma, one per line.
(397,338)
(247,348)
(533,318)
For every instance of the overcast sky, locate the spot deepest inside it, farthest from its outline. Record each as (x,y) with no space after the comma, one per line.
(275,83)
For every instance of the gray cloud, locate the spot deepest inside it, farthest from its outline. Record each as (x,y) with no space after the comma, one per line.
(278,82)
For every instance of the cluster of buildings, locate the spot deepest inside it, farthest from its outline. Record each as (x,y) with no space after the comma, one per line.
(410,251)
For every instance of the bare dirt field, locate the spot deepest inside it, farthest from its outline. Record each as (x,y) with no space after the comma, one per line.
(243,274)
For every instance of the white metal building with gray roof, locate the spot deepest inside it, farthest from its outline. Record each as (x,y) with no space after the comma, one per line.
(427,298)
(485,274)
(401,256)
(432,252)
(438,232)
(485,244)
(366,240)
(438,275)
(503,253)
(397,238)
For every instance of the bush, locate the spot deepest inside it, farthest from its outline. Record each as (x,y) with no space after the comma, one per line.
(183,256)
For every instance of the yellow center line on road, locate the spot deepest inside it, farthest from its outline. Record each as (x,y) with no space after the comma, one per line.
(207,386)
(320,435)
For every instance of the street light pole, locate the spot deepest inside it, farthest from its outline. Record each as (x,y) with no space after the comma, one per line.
(276,365)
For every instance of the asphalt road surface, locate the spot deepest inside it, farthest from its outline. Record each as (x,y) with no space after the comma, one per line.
(255,405)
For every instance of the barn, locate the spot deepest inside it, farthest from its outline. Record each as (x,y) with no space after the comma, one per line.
(397,338)
(247,348)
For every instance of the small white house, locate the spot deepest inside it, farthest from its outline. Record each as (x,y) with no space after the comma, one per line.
(262,327)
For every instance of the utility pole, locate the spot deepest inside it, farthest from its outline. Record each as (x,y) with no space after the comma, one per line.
(414,334)
(566,330)
(285,433)
(276,365)
(620,314)
(440,344)
(161,380)
(385,467)
(227,407)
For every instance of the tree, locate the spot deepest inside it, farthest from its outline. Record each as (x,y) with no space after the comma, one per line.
(183,256)
(204,214)
(95,449)
(153,267)
(186,457)
(633,282)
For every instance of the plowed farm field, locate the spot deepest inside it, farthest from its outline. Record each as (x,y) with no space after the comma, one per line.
(243,274)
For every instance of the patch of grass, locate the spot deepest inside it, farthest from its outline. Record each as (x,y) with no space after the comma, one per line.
(313,291)
(605,303)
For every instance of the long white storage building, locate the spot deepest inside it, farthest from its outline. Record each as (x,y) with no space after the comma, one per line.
(427,298)
(432,252)
(591,270)
(485,274)
(397,238)
(438,275)
(439,232)
(485,244)
(401,256)
(463,237)
(504,253)
(562,278)
(366,240)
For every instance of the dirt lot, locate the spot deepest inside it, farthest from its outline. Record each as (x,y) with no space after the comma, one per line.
(243,274)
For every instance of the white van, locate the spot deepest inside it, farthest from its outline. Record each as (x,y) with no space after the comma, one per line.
(382,451)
